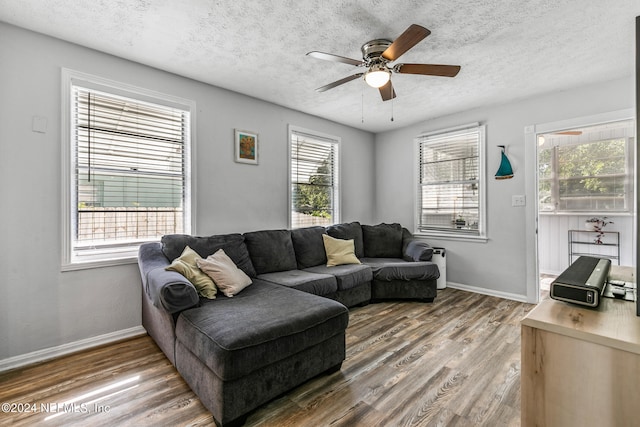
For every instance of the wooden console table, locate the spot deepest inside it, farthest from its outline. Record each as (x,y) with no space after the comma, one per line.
(581,366)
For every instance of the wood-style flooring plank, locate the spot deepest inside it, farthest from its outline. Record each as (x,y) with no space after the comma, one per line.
(454,362)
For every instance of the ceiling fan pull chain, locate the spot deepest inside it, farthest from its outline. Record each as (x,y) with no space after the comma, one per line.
(362,104)
(391,109)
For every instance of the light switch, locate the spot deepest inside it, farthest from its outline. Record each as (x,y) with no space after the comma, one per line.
(39,124)
(518,200)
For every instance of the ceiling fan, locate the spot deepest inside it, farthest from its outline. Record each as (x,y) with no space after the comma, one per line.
(376,58)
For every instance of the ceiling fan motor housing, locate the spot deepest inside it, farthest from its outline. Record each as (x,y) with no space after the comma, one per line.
(372,51)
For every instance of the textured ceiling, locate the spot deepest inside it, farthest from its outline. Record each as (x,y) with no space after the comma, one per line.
(507,49)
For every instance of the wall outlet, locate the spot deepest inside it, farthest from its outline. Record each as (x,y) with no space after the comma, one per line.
(518,200)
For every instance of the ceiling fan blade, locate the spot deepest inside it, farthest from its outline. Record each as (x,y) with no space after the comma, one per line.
(387,92)
(569,132)
(339,82)
(334,58)
(428,69)
(411,37)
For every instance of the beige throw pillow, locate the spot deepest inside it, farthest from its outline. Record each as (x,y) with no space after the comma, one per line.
(187,265)
(339,251)
(224,272)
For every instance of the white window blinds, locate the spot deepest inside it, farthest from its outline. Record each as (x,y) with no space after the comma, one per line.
(129,171)
(451,182)
(313,180)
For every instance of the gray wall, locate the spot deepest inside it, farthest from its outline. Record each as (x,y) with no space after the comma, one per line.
(42,307)
(499,265)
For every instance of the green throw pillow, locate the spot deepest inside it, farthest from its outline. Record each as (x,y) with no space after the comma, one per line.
(186,264)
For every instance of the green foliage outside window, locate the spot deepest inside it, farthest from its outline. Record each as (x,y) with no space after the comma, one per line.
(584,177)
(315,197)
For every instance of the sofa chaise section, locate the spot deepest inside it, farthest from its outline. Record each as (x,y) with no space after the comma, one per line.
(237,352)
(259,344)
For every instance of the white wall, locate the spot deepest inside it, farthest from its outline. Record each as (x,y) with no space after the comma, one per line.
(42,307)
(499,265)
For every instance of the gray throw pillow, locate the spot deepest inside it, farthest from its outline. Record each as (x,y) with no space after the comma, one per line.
(418,251)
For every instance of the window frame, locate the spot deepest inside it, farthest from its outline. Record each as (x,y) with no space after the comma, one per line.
(118,254)
(331,139)
(453,233)
(555,180)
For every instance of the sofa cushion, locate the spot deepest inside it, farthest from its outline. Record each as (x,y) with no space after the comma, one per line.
(308,246)
(417,250)
(313,283)
(225,274)
(271,250)
(186,264)
(263,324)
(389,269)
(339,251)
(347,276)
(233,245)
(346,231)
(382,240)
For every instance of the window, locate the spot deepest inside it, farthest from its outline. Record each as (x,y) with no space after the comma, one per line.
(450,199)
(587,169)
(313,179)
(127,170)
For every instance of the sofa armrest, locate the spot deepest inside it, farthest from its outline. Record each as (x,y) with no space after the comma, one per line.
(417,250)
(169,290)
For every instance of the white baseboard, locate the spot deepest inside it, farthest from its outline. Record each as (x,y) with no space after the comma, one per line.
(490,292)
(72,347)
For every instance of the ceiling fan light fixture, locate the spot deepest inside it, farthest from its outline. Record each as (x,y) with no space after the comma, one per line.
(377,76)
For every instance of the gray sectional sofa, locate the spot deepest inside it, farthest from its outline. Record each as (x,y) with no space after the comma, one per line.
(237,353)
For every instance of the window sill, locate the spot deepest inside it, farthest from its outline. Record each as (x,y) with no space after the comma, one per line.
(97,263)
(588,214)
(455,237)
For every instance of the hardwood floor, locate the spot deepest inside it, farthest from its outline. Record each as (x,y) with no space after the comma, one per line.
(453,362)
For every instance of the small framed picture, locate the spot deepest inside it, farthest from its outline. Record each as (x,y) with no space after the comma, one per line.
(246,144)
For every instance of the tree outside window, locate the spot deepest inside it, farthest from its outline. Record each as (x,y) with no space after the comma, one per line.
(585,176)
